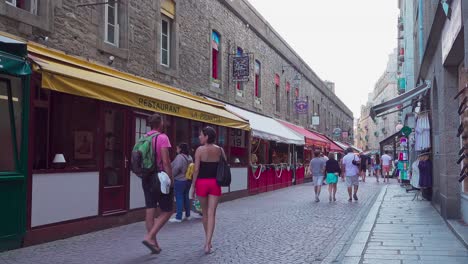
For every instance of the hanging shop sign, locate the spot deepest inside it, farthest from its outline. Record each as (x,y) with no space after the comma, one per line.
(337,132)
(240,68)
(296,81)
(315,120)
(344,134)
(302,106)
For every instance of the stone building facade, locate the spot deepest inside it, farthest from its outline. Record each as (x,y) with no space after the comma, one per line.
(371,132)
(79,29)
(440,58)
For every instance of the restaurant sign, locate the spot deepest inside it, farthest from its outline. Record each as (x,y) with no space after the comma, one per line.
(241,68)
(302,106)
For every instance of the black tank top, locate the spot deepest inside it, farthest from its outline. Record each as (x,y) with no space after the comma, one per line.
(208,170)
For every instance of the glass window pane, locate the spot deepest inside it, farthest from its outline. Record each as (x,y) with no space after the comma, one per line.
(196,128)
(110,33)
(41,126)
(165,42)
(7,159)
(165,27)
(222,136)
(110,15)
(164,58)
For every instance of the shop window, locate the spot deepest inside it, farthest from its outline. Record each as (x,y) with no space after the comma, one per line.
(165,41)
(28,5)
(141,127)
(222,133)
(258,92)
(182,128)
(111,20)
(215,55)
(11,100)
(277,93)
(196,128)
(238,151)
(64,130)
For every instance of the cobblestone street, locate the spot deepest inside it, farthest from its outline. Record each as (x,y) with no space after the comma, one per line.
(284,226)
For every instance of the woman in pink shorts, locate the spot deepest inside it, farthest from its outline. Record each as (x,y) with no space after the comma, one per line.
(204,183)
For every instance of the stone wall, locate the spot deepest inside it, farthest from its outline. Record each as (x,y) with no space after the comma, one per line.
(79,31)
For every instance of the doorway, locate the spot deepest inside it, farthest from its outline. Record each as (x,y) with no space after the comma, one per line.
(115,164)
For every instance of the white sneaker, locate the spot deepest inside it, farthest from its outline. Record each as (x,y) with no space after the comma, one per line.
(175,220)
(188,218)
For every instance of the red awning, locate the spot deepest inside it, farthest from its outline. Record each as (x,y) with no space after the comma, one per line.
(311,139)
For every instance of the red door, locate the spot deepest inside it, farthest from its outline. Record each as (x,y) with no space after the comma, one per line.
(114,172)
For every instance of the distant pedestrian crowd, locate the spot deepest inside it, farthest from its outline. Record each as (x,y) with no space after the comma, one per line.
(352,166)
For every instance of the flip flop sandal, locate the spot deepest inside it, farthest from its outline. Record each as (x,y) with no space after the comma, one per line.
(151,247)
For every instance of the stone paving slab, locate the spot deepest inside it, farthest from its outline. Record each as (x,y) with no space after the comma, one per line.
(407,231)
(284,226)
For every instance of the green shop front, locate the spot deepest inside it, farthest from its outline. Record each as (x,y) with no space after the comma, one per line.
(15,75)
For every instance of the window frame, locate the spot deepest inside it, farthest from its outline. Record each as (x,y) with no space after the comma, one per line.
(218,56)
(115,25)
(258,78)
(168,36)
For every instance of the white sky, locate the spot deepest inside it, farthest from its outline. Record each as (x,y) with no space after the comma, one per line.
(344,41)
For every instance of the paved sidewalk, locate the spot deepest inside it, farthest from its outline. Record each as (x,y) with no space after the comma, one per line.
(399,230)
(284,226)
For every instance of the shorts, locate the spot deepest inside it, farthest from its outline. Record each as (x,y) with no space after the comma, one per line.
(377,167)
(205,187)
(363,168)
(154,198)
(332,178)
(386,168)
(352,181)
(318,180)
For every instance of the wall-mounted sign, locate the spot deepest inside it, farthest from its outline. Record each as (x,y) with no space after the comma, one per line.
(241,68)
(237,138)
(337,131)
(315,120)
(302,106)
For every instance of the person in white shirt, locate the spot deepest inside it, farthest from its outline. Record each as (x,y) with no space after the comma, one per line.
(350,164)
(386,163)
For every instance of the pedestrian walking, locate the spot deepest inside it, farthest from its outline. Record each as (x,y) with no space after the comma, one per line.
(351,173)
(363,168)
(182,182)
(205,186)
(377,166)
(317,169)
(332,170)
(154,197)
(386,163)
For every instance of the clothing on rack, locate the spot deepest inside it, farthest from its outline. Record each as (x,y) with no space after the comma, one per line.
(415,174)
(425,173)
(422,132)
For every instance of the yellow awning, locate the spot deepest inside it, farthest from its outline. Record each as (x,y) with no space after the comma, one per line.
(82,81)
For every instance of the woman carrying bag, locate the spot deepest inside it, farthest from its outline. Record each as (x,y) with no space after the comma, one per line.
(181,182)
(205,184)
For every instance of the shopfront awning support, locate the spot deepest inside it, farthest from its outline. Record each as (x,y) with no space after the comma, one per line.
(399,100)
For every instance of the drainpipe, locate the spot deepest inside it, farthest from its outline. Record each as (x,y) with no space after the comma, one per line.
(421,30)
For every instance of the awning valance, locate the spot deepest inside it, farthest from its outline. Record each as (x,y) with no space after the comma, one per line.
(139,93)
(13,57)
(268,128)
(399,100)
(311,139)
